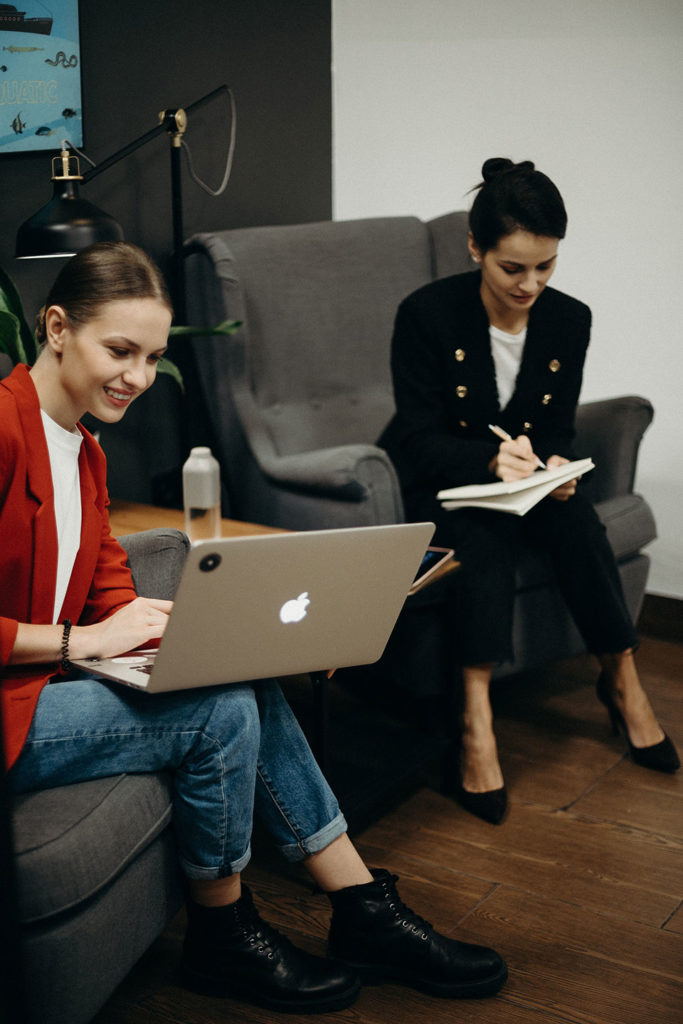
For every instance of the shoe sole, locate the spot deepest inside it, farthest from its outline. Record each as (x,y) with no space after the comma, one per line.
(210,986)
(377,974)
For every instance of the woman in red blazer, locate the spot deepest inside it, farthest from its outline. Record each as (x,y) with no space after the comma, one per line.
(66,593)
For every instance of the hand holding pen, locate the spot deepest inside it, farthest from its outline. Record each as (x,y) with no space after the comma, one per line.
(516,458)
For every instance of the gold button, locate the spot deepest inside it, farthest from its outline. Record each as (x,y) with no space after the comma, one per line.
(460,354)
(461,391)
(528,426)
(463,423)
(546,399)
(554,365)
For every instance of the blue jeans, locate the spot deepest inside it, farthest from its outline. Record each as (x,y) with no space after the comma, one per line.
(231,750)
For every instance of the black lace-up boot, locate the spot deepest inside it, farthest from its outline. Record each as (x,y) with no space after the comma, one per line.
(377,935)
(231,951)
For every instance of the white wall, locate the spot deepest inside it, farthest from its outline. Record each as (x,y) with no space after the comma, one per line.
(592,91)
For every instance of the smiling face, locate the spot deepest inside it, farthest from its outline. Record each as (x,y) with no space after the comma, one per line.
(513,275)
(103,364)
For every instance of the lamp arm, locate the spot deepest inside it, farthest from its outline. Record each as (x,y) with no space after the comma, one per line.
(170,122)
(121,153)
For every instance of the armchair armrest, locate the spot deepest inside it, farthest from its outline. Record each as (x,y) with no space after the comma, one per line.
(348,485)
(156,559)
(344,472)
(610,432)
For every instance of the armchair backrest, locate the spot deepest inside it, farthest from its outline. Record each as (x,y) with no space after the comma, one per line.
(317,302)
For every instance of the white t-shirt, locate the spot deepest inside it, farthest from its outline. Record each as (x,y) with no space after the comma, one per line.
(507,352)
(64,447)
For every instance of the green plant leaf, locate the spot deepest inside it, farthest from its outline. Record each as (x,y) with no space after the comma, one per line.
(168,367)
(24,349)
(10,337)
(226,327)
(187,331)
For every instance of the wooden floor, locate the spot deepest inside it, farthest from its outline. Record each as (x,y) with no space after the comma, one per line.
(580,889)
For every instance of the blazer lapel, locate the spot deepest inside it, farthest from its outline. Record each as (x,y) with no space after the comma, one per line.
(39,485)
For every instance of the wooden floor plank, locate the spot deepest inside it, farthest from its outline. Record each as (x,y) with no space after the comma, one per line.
(587,862)
(594,968)
(633,797)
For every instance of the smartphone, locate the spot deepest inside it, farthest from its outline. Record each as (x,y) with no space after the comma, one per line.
(434,560)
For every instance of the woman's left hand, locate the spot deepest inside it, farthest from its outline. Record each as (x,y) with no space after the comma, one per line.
(566,490)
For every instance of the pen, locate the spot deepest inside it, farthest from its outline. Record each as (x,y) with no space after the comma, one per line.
(504,436)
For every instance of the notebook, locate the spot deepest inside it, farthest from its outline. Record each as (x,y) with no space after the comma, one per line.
(276,605)
(515,496)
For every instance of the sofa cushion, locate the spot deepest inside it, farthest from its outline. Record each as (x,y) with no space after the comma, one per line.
(74,840)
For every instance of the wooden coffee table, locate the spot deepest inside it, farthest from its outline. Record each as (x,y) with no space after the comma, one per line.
(133,517)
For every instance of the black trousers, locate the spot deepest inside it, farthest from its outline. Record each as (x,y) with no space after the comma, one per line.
(487,544)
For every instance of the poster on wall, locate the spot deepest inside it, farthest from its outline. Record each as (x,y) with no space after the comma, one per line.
(40,75)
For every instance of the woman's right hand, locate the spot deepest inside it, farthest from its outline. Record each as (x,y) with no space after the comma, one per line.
(514,460)
(132,626)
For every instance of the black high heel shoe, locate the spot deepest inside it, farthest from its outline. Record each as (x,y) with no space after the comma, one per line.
(661,757)
(490,806)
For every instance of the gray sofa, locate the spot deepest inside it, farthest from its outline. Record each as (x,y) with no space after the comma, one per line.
(298,397)
(97,877)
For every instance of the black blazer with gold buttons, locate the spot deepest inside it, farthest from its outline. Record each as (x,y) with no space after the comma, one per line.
(445,383)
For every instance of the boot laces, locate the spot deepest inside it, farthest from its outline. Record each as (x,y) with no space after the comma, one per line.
(403,913)
(257,932)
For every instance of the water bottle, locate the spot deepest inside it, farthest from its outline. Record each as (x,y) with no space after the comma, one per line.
(202,496)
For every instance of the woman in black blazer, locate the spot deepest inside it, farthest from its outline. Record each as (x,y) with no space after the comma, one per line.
(497,346)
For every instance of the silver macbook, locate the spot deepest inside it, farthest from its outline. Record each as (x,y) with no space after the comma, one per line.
(277,605)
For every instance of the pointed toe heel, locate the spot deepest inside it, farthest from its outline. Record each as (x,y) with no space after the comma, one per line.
(659,757)
(490,806)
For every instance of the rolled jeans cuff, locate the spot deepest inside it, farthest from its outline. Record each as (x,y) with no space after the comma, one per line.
(197,871)
(294,852)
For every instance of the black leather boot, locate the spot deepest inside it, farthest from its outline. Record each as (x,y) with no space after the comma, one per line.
(373,932)
(232,951)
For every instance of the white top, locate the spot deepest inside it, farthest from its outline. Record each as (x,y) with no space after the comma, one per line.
(507,352)
(64,447)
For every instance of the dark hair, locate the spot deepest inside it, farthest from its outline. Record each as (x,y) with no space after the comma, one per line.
(103,273)
(514,196)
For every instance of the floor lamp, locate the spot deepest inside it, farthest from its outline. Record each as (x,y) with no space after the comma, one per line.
(69,223)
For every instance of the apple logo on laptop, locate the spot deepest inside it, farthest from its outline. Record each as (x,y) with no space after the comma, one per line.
(295,610)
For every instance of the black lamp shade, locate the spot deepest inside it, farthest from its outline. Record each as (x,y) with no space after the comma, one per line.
(65,225)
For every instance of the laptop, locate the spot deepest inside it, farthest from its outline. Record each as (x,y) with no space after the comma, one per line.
(276,605)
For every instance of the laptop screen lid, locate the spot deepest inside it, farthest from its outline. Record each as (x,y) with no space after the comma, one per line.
(281,604)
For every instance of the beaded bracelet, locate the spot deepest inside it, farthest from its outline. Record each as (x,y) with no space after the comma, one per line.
(65,645)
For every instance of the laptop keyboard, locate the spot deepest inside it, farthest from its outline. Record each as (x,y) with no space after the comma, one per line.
(145,669)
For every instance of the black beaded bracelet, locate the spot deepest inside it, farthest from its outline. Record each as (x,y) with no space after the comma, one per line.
(65,645)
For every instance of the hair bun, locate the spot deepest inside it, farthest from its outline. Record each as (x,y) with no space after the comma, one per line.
(502,165)
(494,166)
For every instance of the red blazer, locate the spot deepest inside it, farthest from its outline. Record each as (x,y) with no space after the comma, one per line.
(100,581)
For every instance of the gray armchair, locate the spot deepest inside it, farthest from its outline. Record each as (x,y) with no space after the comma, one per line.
(299,396)
(96,870)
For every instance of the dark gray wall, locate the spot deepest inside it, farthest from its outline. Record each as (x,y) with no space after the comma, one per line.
(141,56)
